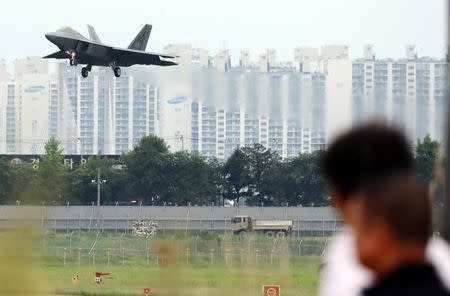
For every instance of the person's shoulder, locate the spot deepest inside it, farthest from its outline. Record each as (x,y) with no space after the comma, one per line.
(438,247)
(341,273)
(438,254)
(342,244)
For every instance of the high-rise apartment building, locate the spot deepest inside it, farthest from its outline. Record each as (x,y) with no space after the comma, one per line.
(291,108)
(410,93)
(30,65)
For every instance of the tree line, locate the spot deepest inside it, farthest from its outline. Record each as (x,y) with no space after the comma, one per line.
(153,175)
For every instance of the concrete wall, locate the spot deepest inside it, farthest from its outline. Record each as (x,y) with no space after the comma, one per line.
(306,220)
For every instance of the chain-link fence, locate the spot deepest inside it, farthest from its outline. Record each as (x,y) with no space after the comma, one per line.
(83,249)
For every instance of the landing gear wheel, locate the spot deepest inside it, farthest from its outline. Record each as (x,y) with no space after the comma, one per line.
(84,72)
(117,71)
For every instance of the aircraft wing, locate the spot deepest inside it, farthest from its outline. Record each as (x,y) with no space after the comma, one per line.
(128,57)
(58,55)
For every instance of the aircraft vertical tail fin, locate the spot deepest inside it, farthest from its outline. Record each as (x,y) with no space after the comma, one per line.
(140,41)
(92,34)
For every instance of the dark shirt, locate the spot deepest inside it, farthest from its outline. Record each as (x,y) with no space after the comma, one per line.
(410,280)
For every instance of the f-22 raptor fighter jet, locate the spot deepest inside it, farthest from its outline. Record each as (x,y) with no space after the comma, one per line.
(92,52)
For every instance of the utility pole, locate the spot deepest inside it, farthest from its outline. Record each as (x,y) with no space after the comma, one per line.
(81,151)
(99,181)
(182,142)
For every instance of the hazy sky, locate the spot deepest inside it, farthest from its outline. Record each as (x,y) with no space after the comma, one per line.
(238,24)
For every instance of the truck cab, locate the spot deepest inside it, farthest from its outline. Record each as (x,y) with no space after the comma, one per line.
(241,224)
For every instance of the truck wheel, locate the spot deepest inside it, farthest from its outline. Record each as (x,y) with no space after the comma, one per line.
(269,234)
(281,234)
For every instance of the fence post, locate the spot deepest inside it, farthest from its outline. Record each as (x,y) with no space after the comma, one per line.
(196,249)
(323,227)
(187,256)
(226,256)
(65,253)
(120,241)
(45,242)
(123,256)
(79,257)
(212,256)
(334,230)
(70,242)
(256,258)
(90,218)
(93,257)
(271,257)
(300,248)
(108,254)
(147,250)
(242,256)
(42,214)
(298,227)
(67,215)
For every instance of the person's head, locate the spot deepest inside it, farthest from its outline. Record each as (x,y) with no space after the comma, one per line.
(364,154)
(393,223)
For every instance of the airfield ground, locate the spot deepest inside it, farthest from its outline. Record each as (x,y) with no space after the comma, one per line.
(202,264)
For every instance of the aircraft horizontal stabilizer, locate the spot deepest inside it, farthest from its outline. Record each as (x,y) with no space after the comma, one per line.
(58,55)
(166,63)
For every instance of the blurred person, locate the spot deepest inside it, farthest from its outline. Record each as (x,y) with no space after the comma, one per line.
(392,228)
(361,156)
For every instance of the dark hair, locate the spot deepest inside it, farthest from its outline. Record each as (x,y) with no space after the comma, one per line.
(365,153)
(403,203)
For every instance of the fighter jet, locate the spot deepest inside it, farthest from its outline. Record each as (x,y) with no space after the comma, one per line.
(92,52)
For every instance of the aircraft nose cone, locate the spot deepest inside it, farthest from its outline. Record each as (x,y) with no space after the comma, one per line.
(50,37)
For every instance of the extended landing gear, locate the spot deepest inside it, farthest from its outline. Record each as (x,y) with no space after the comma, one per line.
(85,71)
(117,71)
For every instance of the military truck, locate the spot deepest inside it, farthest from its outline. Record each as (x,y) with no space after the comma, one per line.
(242,224)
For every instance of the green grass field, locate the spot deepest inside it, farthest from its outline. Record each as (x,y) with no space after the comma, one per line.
(204,264)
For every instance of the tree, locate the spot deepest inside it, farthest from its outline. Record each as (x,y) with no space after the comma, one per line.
(53,174)
(309,185)
(147,166)
(6,180)
(260,162)
(236,174)
(190,178)
(426,155)
(217,179)
(24,184)
(84,191)
(279,186)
